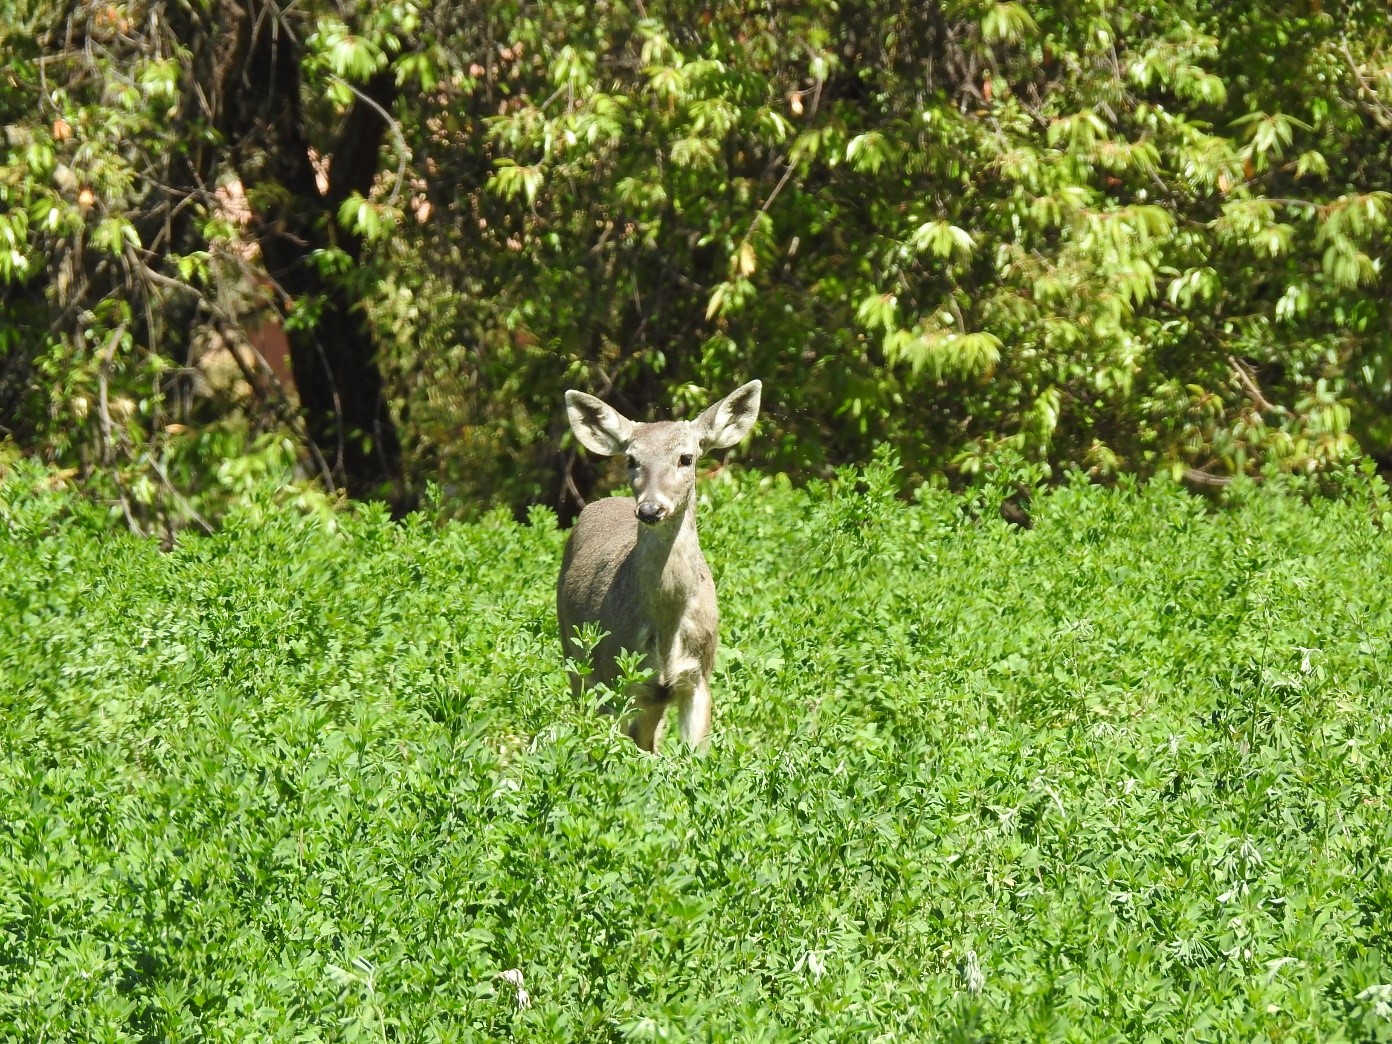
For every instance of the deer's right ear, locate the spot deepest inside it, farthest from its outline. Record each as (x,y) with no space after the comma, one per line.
(600,428)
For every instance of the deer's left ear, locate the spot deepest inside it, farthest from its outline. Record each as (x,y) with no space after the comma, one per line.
(730,419)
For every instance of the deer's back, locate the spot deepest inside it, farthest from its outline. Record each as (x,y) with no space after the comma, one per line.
(600,542)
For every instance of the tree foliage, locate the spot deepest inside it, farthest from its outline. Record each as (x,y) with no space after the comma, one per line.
(1074,234)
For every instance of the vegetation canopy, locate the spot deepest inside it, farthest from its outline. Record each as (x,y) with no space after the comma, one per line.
(370,244)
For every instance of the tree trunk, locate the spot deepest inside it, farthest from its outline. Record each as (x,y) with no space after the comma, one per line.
(334,357)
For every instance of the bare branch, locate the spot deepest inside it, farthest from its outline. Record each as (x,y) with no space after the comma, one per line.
(1205,478)
(179,498)
(103,406)
(288,415)
(1370,102)
(1248,380)
(768,202)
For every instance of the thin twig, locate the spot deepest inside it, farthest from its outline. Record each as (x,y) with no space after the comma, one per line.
(753,224)
(103,410)
(340,439)
(570,480)
(179,497)
(1204,478)
(131,521)
(104,420)
(1373,105)
(293,418)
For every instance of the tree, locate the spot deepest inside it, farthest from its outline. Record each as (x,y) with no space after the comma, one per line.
(1073,234)
(165,182)
(1002,238)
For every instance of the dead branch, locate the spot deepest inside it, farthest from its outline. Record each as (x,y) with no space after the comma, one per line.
(1248,380)
(1207,479)
(1369,101)
(103,406)
(179,498)
(403,153)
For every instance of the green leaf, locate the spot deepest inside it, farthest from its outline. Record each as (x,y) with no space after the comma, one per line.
(113,234)
(1007,23)
(352,57)
(942,239)
(511,180)
(868,152)
(694,153)
(876,312)
(160,79)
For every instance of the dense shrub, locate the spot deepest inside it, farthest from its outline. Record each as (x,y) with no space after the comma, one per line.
(1114,237)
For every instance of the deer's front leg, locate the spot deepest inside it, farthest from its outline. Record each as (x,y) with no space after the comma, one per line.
(694,714)
(645,728)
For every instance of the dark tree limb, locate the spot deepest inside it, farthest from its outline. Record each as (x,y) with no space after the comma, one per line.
(334,358)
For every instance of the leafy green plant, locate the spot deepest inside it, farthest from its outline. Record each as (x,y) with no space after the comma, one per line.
(1121,775)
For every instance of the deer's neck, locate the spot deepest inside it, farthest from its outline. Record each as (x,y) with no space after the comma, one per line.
(670,555)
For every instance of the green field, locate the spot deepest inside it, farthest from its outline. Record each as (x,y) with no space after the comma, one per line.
(1122,776)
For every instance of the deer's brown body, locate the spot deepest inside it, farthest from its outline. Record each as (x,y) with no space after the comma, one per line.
(633,565)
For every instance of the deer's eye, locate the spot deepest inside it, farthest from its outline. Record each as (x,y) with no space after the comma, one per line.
(632,464)
(684,460)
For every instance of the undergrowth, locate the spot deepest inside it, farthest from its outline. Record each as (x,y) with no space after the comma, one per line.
(1121,776)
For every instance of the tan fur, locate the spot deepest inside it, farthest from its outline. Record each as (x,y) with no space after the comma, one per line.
(648,585)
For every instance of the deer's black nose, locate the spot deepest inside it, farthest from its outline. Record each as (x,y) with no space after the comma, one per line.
(651,514)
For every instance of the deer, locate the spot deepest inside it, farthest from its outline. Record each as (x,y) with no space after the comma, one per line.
(633,565)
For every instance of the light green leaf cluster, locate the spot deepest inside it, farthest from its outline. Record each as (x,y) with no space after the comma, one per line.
(365,218)
(511,180)
(942,239)
(1007,23)
(347,54)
